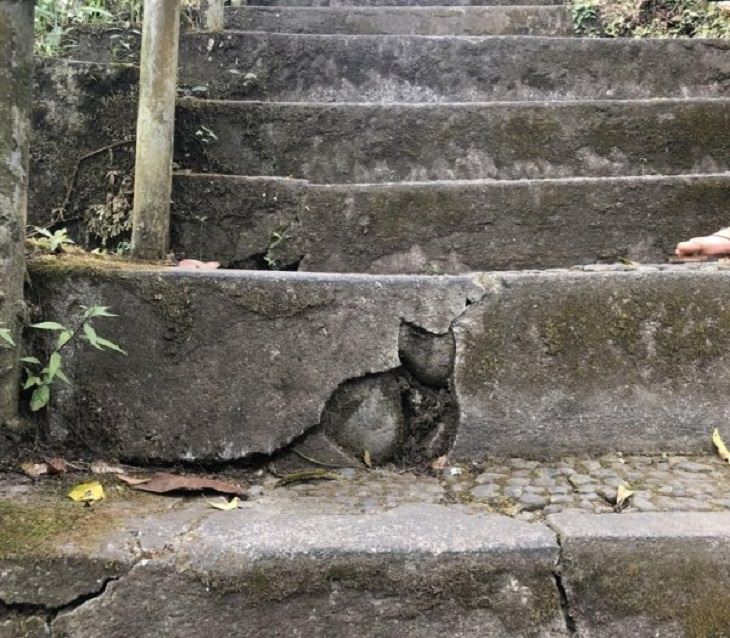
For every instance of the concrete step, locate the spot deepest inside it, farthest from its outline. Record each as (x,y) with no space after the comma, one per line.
(440,227)
(336,143)
(405,20)
(394,3)
(401,564)
(351,68)
(231,364)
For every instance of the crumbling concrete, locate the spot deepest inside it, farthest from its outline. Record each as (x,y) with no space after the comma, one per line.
(646,574)
(509,20)
(567,362)
(344,143)
(440,227)
(414,570)
(227,365)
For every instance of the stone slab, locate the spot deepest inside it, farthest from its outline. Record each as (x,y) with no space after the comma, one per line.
(336,143)
(414,570)
(357,68)
(440,227)
(386,3)
(494,20)
(390,68)
(646,574)
(229,364)
(570,362)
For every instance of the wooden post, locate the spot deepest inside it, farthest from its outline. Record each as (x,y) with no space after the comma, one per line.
(16,67)
(213,15)
(155,129)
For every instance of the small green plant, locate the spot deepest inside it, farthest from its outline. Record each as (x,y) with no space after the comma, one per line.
(7,337)
(51,241)
(205,134)
(41,375)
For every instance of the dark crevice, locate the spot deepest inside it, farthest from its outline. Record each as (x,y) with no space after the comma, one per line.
(565,605)
(50,612)
(570,624)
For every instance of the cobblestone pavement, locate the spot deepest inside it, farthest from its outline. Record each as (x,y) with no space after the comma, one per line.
(529,489)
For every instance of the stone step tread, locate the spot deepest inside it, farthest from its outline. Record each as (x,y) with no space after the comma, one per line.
(277,562)
(441,226)
(490,20)
(539,363)
(335,143)
(390,3)
(389,68)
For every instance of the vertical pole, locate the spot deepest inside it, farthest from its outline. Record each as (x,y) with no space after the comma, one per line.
(155,129)
(16,64)
(213,15)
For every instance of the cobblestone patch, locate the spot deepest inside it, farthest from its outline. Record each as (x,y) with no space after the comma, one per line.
(530,489)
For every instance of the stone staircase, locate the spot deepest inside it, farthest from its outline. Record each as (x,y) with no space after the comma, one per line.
(443,193)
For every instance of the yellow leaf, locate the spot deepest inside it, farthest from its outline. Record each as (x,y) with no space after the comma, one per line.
(366,458)
(622,495)
(720,445)
(223,504)
(87,492)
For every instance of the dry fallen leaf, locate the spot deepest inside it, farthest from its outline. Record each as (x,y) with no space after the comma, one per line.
(57,465)
(306,475)
(87,492)
(720,445)
(163,483)
(366,458)
(34,470)
(440,463)
(225,505)
(623,494)
(133,480)
(101,467)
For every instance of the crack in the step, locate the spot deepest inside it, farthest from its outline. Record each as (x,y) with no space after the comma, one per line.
(49,612)
(570,624)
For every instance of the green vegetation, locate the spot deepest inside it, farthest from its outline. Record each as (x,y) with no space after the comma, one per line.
(650,18)
(41,375)
(55,18)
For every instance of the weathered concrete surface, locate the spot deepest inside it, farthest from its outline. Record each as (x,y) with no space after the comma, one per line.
(646,574)
(385,3)
(82,135)
(16,67)
(495,20)
(567,362)
(23,626)
(443,226)
(416,571)
(377,143)
(342,68)
(393,68)
(229,364)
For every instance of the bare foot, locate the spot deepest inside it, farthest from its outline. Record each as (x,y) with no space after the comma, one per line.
(194,264)
(718,244)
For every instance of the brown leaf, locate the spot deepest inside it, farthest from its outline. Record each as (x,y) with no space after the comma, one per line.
(305,476)
(57,465)
(132,480)
(163,483)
